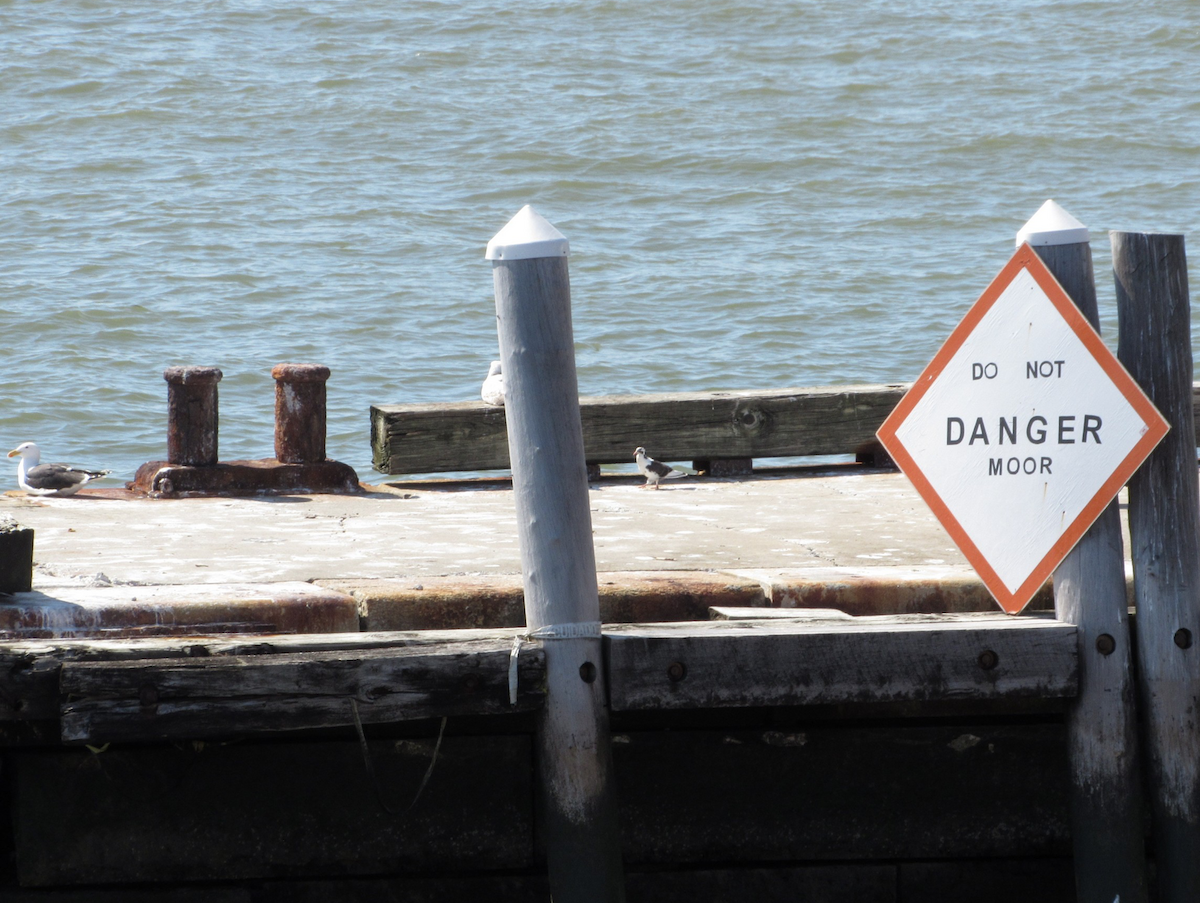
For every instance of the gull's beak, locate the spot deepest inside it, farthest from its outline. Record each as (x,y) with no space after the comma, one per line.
(14,453)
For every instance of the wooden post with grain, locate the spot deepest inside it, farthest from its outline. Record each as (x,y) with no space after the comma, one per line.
(1089,591)
(1164,524)
(554,531)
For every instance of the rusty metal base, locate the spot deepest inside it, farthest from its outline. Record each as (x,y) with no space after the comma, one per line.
(159,479)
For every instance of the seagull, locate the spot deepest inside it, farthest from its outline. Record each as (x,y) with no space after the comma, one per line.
(49,479)
(493,387)
(654,470)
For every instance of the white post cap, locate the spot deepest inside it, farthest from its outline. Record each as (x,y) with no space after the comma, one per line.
(1052,225)
(527,235)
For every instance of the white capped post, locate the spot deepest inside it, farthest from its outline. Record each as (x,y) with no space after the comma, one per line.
(1052,225)
(1089,591)
(558,562)
(527,236)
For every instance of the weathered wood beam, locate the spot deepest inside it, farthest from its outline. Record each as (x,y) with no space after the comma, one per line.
(782,791)
(691,426)
(171,698)
(686,426)
(30,669)
(176,688)
(220,812)
(879,659)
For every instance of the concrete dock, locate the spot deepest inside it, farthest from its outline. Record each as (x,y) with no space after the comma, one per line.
(444,554)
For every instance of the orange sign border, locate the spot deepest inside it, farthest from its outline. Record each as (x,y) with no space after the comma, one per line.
(1025,258)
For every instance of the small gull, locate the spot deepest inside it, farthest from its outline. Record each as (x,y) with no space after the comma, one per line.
(493,387)
(49,479)
(654,470)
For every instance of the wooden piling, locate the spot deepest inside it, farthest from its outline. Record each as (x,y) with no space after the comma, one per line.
(554,532)
(1089,591)
(1164,524)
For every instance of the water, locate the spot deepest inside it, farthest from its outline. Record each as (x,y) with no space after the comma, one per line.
(757,194)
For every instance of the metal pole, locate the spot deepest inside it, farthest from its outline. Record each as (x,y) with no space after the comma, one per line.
(1089,591)
(554,530)
(1164,525)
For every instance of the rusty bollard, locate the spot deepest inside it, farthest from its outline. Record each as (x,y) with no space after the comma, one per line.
(192,415)
(300,412)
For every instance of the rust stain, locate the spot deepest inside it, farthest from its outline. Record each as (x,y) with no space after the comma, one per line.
(872,595)
(459,602)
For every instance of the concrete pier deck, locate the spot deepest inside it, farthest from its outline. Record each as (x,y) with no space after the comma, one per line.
(444,554)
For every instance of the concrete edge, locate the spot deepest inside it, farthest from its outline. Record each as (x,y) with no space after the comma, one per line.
(194,609)
(458,602)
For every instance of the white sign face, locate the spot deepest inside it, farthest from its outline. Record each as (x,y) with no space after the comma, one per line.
(1021,430)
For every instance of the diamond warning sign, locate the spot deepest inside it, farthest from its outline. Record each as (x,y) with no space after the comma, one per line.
(1021,430)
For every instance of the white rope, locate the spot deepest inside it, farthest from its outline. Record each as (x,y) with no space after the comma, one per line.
(575,631)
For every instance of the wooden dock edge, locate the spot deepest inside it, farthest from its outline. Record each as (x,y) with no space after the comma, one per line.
(100,691)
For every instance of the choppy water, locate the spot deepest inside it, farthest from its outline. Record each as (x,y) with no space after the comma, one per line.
(757,194)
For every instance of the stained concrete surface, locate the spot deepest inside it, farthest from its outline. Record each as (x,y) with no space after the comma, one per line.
(440,553)
(431,529)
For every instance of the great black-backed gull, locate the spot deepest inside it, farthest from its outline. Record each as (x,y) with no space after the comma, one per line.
(655,471)
(493,387)
(49,479)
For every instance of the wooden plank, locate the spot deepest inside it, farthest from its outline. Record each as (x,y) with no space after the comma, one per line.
(878,659)
(30,669)
(838,883)
(258,810)
(1049,880)
(693,426)
(421,438)
(795,791)
(232,695)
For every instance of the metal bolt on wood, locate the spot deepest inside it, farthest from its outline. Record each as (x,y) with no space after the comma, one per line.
(300,414)
(192,416)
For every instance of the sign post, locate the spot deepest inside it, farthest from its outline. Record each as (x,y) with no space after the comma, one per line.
(1021,430)
(1089,591)
(1019,435)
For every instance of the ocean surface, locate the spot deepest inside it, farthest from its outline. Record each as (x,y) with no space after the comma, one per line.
(757,195)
